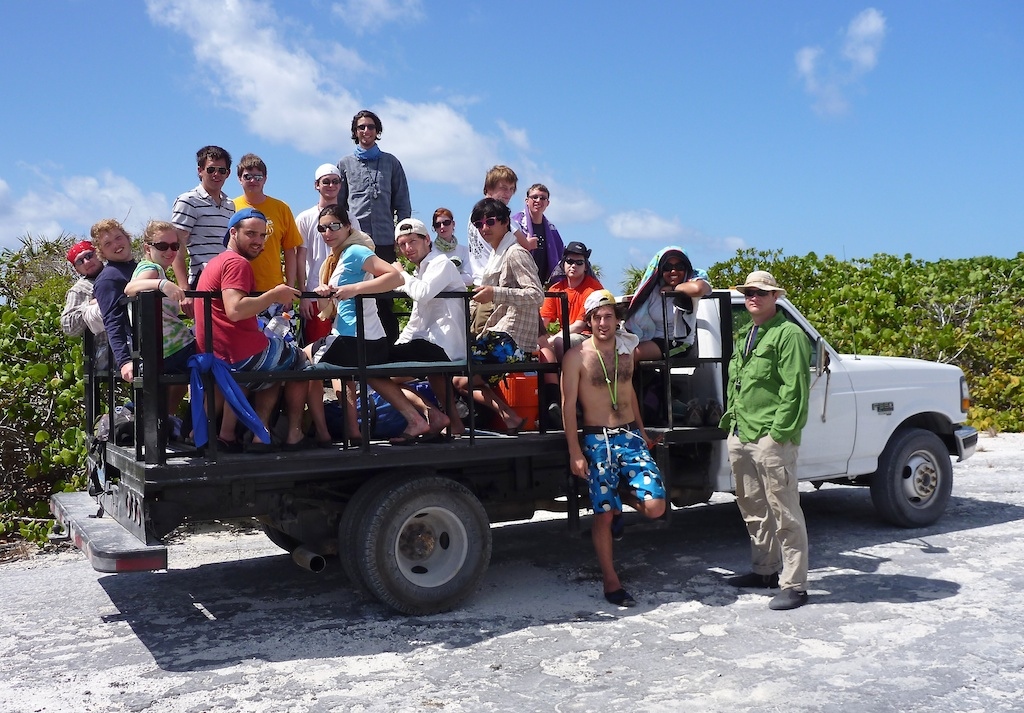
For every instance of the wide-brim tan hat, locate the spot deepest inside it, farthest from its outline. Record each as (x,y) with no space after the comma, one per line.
(761,280)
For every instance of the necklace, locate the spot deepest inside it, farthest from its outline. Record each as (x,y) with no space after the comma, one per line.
(613,385)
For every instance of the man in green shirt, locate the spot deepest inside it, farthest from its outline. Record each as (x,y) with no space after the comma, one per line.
(770,381)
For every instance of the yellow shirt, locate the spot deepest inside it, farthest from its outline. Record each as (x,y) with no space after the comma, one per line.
(282,234)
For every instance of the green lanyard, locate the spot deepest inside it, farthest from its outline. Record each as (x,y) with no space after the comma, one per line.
(613,385)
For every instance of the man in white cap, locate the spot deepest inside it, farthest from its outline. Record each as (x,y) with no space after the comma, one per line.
(436,330)
(330,184)
(770,385)
(615,448)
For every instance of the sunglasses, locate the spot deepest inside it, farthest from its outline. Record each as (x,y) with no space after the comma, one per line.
(164,246)
(538,197)
(673,267)
(752,292)
(217,169)
(489,222)
(257,177)
(442,223)
(333,227)
(330,181)
(366,127)
(85,257)
(570,261)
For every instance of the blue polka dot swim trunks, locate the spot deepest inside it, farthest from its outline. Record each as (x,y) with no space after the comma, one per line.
(615,455)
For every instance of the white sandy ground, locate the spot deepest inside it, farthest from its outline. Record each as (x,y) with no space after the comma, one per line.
(899,620)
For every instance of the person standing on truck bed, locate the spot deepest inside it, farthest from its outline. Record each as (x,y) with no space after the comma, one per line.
(378,195)
(615,451)
(201,216)
(770,382)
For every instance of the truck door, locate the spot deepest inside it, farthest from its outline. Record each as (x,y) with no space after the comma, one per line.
(827,440)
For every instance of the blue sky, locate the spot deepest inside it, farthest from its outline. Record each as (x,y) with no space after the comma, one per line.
(842,128)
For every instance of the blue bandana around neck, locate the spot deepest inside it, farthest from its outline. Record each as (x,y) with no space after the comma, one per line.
(368,154)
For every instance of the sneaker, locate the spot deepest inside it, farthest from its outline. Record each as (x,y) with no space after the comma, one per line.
(788,599)
(753,580)
(618,527)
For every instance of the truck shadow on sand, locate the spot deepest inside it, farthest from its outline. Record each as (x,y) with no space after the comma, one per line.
(267,608)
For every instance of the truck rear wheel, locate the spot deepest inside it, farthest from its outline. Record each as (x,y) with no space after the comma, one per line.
(349,546)
(424,545)
(914,479)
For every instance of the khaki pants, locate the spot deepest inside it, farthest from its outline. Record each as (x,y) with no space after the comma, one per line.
(767,495)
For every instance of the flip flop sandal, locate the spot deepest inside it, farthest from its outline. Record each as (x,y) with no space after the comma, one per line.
(620,598)
(406,439)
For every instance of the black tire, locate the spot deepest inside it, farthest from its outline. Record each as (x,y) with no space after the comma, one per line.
(426,544)
(914,479)
(284,541)
(349,548)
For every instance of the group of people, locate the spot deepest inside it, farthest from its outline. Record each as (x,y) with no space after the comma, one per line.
(252,254)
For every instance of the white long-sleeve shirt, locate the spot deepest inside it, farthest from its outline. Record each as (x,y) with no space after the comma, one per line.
(440,320)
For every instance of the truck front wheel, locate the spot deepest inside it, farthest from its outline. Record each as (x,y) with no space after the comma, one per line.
(914,479)
(424,545)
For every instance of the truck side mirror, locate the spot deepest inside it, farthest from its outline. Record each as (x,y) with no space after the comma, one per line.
(821,357)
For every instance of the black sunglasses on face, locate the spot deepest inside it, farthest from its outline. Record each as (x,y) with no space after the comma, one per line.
(752,292)
(335,225)
(570,261)
(164,246)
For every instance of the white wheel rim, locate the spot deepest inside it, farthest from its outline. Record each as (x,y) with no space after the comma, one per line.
(431,547)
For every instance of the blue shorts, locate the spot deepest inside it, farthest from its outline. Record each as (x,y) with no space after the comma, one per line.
(278,356)
(618,454)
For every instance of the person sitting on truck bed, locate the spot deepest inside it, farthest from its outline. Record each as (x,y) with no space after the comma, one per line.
(436,330)
(352,269)
(597,375)
(770,382)
(573,276)
(116,248)
(669,271)
(238,339)
(81,310)
(160,246)
(511,283)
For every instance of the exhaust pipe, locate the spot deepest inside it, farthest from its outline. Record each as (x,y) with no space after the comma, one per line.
(308,559)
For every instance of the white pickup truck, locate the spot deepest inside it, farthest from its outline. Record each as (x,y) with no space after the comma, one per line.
(887,422)
(410,526)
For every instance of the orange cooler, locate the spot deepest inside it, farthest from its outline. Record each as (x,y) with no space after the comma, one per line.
(520,390)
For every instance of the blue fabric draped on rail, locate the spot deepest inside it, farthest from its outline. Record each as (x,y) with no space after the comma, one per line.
(233,395)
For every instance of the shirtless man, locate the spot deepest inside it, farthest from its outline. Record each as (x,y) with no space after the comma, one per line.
(598,375)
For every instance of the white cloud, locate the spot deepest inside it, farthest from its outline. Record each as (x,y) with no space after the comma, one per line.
(643,224)
(516,137)
(298,102)
(825,80)
(364,15)
(864,40)
(73,204)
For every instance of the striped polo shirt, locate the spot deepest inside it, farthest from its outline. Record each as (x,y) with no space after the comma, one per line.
(205,222)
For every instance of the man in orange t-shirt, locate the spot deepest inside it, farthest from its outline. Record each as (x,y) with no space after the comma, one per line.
(283,237)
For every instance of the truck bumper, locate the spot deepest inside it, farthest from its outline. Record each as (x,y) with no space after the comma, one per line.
(109,547)
(966,442)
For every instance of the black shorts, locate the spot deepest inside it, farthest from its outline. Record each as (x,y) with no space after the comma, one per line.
(341,351)
(418,350)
